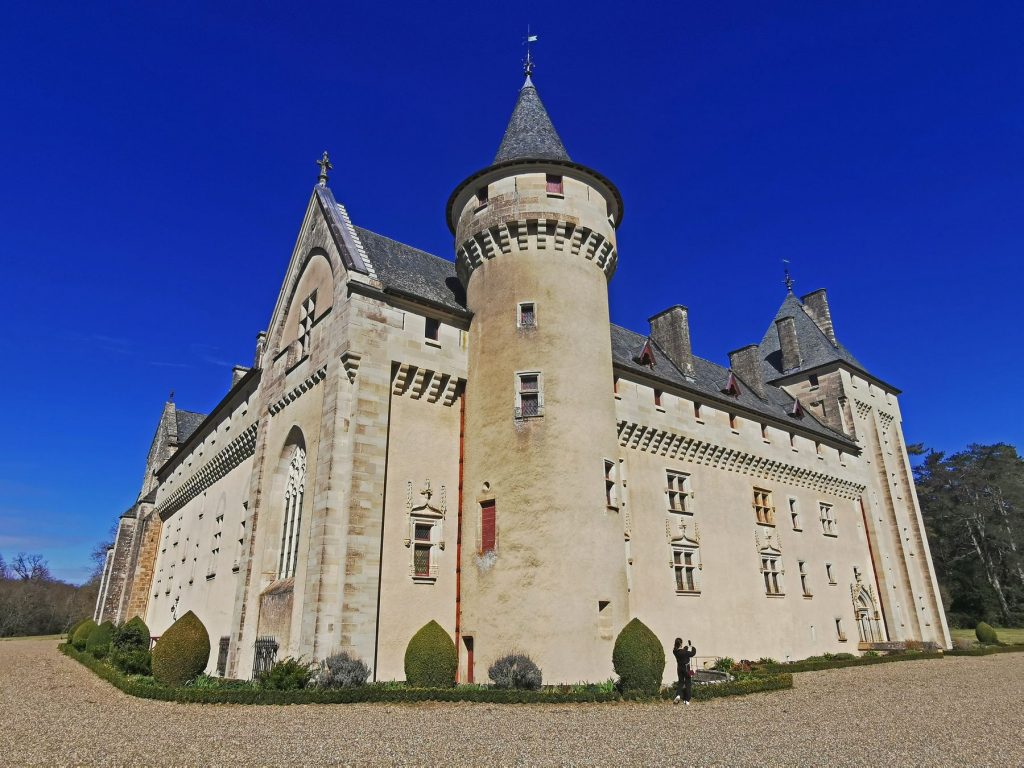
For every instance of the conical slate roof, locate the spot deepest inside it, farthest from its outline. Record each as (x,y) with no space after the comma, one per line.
(815,348)
(530,133)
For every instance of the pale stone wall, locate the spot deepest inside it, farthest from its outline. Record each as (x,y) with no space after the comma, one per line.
(732,615)
(197,564)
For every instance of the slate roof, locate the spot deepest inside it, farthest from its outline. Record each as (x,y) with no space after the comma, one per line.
(710,380)
(410,271)
(420,275)
(815,348)
(530,133)
(187,423)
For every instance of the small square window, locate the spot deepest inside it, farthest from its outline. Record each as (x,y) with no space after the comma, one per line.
(529,397)
(657,397)
(813,380)
(431,329)
(554,184)
(527,315)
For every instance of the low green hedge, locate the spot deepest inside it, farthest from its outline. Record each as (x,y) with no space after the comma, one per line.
(741,687)
(985,650)
(860,661)
(146,689)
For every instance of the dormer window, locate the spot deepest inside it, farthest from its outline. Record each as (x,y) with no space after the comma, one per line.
(554,185)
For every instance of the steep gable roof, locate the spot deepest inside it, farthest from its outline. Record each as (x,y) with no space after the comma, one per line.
(815,348)
(187,423)
(409,271)
(530,133)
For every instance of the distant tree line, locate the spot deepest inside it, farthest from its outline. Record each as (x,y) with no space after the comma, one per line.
(33,602)
(973,508)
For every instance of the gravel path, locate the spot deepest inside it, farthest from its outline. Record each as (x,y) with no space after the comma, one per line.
(956,711)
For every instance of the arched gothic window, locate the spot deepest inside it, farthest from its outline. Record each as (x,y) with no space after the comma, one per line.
(295,488)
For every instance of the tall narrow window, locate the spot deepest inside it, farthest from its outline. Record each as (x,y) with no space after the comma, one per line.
(431,329)
(657,398)
(686,563)
(803,578)
(527,315)
(733,421)
(828,519)
(696,411)
(529,398)
(422,546)
(840,634)
(764,511)
(764,431)
(555,186)
(794,515)
(481,197)
(830,573)
(295,488)
(488,527)
(678,492)
(611,494)
(307,313)
(772,575)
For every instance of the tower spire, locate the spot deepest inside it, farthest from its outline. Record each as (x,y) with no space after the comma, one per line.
(528,61)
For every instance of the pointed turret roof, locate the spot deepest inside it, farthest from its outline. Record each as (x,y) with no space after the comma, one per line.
(530,133)
(815,348)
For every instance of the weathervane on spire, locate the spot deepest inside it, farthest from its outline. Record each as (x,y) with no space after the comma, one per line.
(788,280)
(528,61)
(325,166)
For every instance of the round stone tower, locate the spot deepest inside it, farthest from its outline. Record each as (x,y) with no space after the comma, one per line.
(542,554)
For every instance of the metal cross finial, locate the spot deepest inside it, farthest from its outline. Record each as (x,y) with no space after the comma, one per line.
(528,61)
(788,280)
(325,166)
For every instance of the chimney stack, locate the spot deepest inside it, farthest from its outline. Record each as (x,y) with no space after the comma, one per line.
(237,372)
(261,347)
(670,330)
(788,343)
(816,305)
(746,363)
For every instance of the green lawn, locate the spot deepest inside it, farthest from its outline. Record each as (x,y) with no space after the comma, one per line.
(1005,635)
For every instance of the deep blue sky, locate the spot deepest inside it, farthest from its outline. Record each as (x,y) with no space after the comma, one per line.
(157,160)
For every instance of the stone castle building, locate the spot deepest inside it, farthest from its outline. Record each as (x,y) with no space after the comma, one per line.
(475,443)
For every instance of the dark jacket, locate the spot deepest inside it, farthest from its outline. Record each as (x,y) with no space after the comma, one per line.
(683,656)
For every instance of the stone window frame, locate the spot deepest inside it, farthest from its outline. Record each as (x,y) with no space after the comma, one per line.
(772,572)
(294,495)
(840,632)
(764,506)
(794,513)
(538,392)
(307,319)
(802,568)
(520,322)
(432,544)
(612,497)
(678,487)
(431,330)
(829,524)
(686,568)
(830,574)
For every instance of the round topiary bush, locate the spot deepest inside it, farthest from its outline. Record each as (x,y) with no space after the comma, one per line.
(985,634)
(515,670)
(639,659)
(98,643)
(133,635)
(182,652)
(81,636)
(74,628)
(430,659)
(340,670)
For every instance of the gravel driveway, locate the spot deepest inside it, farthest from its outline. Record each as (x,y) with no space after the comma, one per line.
(956,711)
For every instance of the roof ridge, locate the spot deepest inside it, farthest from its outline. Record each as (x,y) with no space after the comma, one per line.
(358,227)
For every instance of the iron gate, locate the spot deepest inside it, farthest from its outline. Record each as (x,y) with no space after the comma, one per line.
(266,653)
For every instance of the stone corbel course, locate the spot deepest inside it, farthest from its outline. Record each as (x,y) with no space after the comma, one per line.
(684,448)
(290,397)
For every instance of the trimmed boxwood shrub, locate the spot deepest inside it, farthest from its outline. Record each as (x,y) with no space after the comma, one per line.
(98,643)
(74,628)
(133,635)
(985,634)
(430,658)
(81,636)
(515,670)
(639,659)
(182,652)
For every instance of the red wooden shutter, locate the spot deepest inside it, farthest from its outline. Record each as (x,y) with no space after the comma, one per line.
(487,526)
